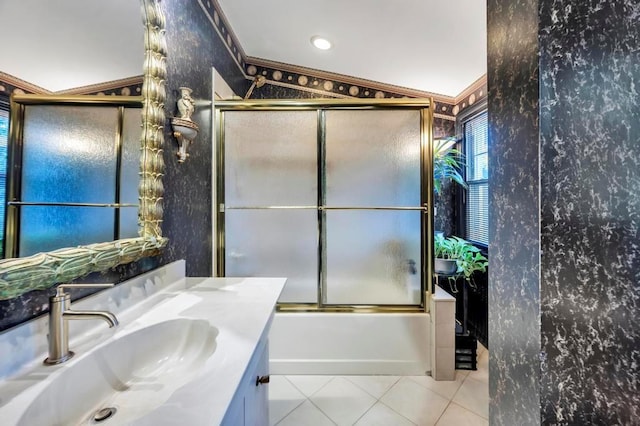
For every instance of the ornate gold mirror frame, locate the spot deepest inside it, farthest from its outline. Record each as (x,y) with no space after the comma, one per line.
(43,270)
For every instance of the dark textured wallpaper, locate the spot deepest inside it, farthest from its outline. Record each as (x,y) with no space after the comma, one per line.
(564,117)
(514,298)
(590,194)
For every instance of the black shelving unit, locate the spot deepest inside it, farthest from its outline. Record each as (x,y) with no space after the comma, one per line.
(466,343)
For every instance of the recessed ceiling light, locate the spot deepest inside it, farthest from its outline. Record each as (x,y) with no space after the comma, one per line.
(321,43)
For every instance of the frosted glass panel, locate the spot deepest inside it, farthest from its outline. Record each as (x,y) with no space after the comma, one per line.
(270,158)
(373,158)
(69,154)
(373,257)
(128,222)
(130,172)
(49,228)
(275,243)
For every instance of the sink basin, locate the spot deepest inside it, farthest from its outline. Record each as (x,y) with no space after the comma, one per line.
(134,374)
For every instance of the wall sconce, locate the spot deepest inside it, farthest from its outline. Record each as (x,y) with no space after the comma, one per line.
(184,129)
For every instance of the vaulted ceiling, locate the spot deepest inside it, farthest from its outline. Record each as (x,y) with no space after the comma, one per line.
(437,46)
(434,46)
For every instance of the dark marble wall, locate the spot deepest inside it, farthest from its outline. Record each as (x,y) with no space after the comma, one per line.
(564,117)
(194,47)
(590,207)
(514,297)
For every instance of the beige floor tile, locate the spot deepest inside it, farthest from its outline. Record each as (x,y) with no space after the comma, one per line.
(342,401)
(381,415)
(309,385)
(456,415)
(482,373)
(474,395)
(375,386)
(442,387)
(283,398)
(306,414)
(415,402)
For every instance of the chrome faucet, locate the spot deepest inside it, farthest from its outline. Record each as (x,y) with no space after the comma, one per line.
(59,315)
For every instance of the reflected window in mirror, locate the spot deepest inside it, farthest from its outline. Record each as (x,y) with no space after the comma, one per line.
(74,173)
(4,136)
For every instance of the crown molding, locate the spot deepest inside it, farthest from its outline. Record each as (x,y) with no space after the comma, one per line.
(83,90)
(22,84)
(101,87)
(482,81)
(342,78)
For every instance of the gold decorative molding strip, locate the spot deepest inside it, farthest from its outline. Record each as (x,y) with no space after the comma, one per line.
(345,79)
(479,83)
(151,189)
(444,117)
(25,86)
(107,85)
(474,93)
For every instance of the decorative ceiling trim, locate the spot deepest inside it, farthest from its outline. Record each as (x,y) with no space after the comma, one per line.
(444,117)
(130,86)
(220,23)
(20,86)
(357,86)
(122,84)
(471,95)
(395,91)
(317,82)
(478,84)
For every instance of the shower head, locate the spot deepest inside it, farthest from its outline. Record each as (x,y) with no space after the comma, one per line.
(259,81)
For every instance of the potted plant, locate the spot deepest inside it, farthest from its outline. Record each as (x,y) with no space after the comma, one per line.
(443,263)
(447,163)
(456,257)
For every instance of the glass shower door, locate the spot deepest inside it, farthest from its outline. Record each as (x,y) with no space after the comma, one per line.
(271,199)
(372,208)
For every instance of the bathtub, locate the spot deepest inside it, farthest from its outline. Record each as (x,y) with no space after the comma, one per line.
(350,343)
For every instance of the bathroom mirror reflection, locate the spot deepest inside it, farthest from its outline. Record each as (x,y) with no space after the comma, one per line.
(78,47)
(61,143)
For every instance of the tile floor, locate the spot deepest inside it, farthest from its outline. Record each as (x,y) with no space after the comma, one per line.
(381,400)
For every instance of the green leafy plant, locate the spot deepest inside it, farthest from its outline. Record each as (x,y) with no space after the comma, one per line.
(468,257)
(447,163)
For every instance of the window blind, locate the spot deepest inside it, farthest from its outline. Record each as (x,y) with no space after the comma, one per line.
(476,137)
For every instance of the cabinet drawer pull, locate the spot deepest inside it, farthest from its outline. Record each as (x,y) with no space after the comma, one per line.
(262,380)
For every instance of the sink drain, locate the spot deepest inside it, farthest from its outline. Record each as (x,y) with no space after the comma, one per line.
(103,414)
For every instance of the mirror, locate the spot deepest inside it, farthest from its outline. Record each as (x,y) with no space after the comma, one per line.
(42,270)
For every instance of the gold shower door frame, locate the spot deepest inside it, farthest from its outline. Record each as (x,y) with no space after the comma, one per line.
(425,106)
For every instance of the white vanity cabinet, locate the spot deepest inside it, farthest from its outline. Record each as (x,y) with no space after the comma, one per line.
(250,404)
(222,325)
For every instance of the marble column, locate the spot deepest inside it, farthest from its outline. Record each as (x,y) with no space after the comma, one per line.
(564,299)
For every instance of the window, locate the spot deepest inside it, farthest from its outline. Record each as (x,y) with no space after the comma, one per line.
(4,135)
(476,142)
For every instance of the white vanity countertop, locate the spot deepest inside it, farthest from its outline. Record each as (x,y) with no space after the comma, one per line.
(240,309)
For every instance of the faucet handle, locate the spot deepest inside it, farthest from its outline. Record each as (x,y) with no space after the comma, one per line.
(61,287)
